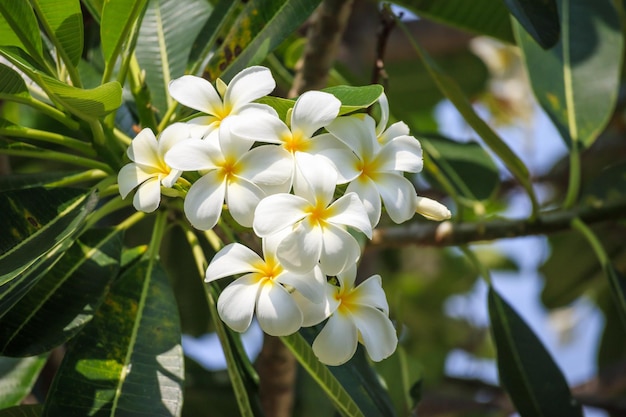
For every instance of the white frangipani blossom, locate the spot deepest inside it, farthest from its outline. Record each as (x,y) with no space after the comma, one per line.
(432,209)
(376,171)
(232,172)
(235,98)
(359,314)
(312,111)
(384,133)
(265,289)
(316,225)
(149,171)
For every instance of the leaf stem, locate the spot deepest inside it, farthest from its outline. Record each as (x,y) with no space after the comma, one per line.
(573,186)
(92,174)
(46,109)
(49,137)
(34,152)
(592,239)
(480,268)
(158,231)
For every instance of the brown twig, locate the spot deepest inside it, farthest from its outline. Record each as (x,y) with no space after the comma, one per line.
(324,36)
(387,23)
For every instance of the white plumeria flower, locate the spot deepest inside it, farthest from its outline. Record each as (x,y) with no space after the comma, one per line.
(235,98)
(432,209)
(232,172)
(316,226)
(375,170)
(384,133)
(312,111)
(265,289)
(359,314)
(149,171)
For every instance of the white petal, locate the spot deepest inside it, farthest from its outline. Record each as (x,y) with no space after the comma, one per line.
(349,210)
(171,178)
(300,250)
(339,250)
(370,293)
(365,188)
(398,195)
(277,313)
(232,146)
(346,278)
(232,259)
(202,126)
(266,165)
(236,303)
(144,149)
(384,114)
(315,313)
(203,203)
(248,85)
(171,135)
(196,93)
(277,212)
(357,132)
(311,285)
(403,153)
(337,341)
(262,127)
(255,108)
(377,333)
(314,110)
(130,176)
(338,155)
(242,198)
(432,210)
(193,155)
(395,130)
(315,178)
(148,196)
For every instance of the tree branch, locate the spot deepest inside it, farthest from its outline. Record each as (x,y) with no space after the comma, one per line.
(450,234)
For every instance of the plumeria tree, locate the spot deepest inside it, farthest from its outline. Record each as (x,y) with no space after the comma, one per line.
(175,169)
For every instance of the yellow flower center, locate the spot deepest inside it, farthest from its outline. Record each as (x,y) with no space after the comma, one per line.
(368,169)
(295,141)
(228,169)
(268,270)
(317,214)
(346,300)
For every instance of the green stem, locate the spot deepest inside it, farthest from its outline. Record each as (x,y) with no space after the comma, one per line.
(107,208)
(484,272)
(49,137)
(158,231)
(122,137)
(92,174)
(141,94)
(39,153)
(573,187)
(46,109)
(239,388)
(580,226)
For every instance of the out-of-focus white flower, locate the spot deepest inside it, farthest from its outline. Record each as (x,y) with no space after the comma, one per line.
(149,171)
(359,314)
(265,289)
(375,171)
(232,172)
(316,225)
(235,98)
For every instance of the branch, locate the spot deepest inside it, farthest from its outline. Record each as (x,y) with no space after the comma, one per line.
(451,234)
(324,36)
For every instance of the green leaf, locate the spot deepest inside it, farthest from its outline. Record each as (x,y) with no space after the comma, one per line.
(86,104)
(281,105)
(400,372)
(527,371)
(19,27)
(320,373)
(577,81)
(355,98)
(17,377)
(261,27)
(222,16)
(483,17)
(22,411)
(469,167)
(59,306)
(11,84)
(540,18)
(118,19)
(128,360)
(63,22)
(35,222)
(167,32)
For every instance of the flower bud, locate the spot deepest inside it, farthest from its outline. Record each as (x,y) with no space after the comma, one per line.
(431,209)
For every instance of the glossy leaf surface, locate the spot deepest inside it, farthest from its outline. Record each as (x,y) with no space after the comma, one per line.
(63,22)
(540,19)
(18,377)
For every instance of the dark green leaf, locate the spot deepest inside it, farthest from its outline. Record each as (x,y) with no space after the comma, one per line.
(31,180)
(261,27)
(17,377)
(469,167)
(355,98)
(128,360)
(22,411)
(11,84)
(118,18)
(35,222)
(526,369)
(167,32)
(63,22)
(577,81)
(540,18)
(222,16)
(57,307)
(18,27)
(483,17)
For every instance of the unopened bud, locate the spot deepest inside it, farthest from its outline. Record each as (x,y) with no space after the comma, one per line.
(431,209)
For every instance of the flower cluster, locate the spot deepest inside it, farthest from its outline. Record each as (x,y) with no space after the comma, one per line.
(309,187)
